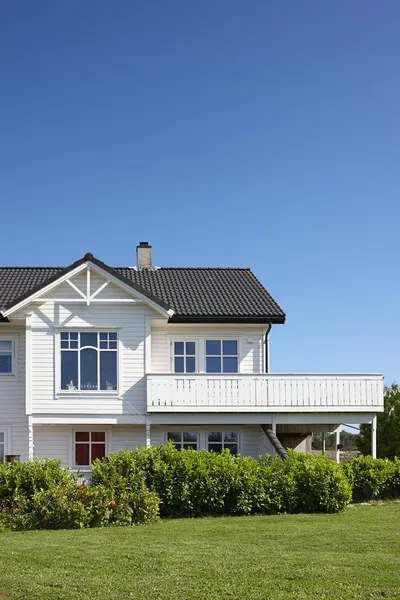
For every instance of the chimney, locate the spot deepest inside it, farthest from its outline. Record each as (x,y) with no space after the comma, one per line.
(143,255)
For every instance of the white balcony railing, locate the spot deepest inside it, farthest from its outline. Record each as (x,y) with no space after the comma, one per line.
(287,392)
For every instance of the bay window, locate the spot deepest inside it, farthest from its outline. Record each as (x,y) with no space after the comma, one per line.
(89,360)
(89,445)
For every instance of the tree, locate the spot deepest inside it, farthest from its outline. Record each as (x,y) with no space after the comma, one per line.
(388,427)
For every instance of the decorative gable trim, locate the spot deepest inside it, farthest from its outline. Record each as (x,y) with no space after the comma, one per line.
(88,262)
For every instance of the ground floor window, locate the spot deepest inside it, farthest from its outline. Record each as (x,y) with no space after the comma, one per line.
(6,357)
(183,439)
(89,445)
(2,446)
(218,440)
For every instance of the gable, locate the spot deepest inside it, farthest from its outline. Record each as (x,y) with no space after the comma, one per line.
(85,282)
(97,289)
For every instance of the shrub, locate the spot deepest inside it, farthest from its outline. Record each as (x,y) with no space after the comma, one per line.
(319,484)
(42,495)
(39,495)
(373,478)
(191,483)
(57,508)
(24,479)
(107,507)
(133,487)
(188,483)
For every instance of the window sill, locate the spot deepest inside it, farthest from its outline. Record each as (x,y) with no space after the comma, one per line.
(88,393)
(81,470)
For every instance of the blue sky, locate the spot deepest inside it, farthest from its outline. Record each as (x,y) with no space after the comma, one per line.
(228,133)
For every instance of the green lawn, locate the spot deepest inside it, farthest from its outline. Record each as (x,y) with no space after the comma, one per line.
(348,556)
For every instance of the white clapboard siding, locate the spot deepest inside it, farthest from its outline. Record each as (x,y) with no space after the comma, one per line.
(264,392)
(129,319)
(250,338)
(255,442)
(252,440)
(12,398)
(57,441)
(127,438)
(53,442)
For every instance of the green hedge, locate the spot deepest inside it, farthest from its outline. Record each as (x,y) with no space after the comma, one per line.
(135,487)
(191,483)
(42,495)
(373,478)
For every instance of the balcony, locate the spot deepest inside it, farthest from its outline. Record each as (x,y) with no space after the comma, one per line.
(265,392)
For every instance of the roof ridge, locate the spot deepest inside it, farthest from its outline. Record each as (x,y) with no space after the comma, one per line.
(134,268)
(30,267)
(194,268)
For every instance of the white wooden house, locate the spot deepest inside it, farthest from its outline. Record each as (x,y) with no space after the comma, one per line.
(95,359)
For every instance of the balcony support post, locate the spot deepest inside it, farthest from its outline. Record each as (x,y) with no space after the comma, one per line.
(30,438)
(148,435)
(323,444)
(373,436)
(338,430)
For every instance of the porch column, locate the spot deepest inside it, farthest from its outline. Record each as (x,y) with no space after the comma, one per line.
(30,438)
(273,424)
(148,437)
(323,443)
(373,436)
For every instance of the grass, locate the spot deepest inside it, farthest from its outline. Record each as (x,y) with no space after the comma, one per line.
(353,555)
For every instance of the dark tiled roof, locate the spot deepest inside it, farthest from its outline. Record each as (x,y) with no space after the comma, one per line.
(209,295)
(196,292)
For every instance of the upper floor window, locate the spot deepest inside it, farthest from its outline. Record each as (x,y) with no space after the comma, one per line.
(221,356)
(185,357)
(89,360)
(6,357)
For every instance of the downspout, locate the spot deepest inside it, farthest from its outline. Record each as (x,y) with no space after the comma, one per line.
(279,449)
(267,429)
(267,349)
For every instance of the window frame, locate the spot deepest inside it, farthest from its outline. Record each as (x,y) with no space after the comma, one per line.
(59,390)
(74,442)
(223,431)
(6,429)
(183,338)
(182,431)
(221,355)
(14,354)
(184,356)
